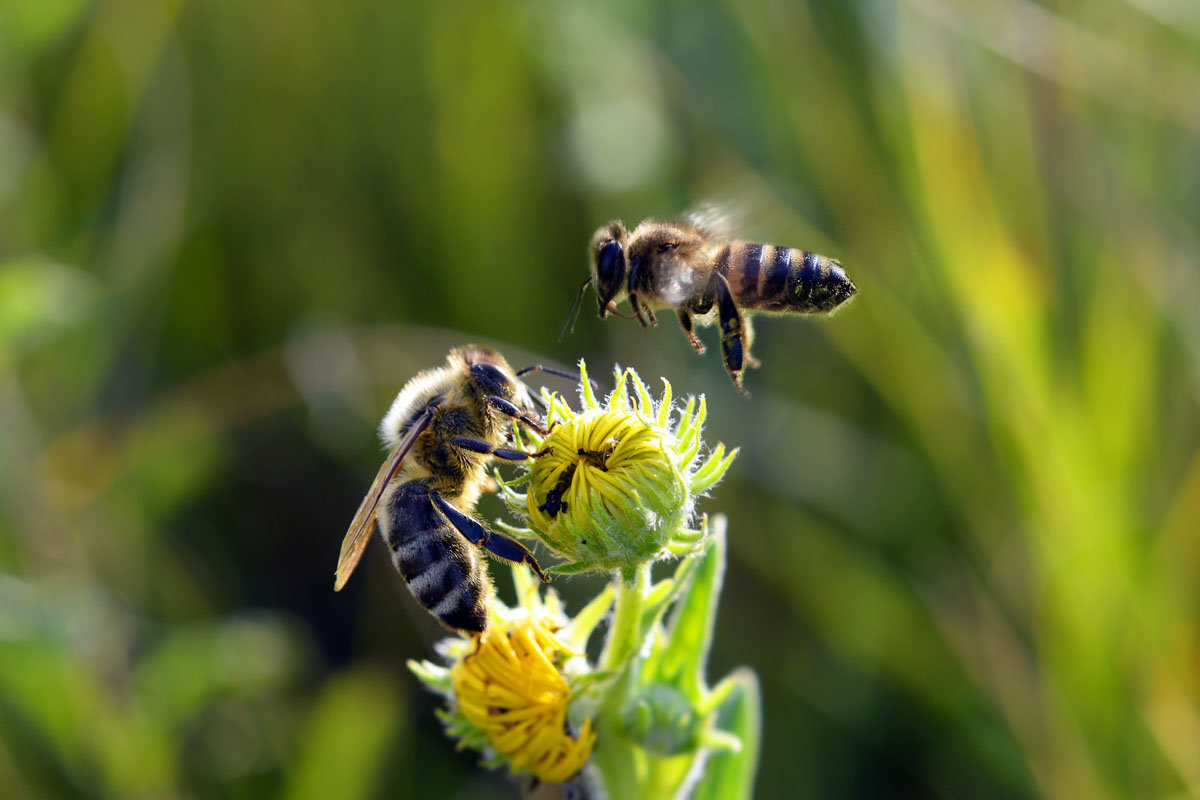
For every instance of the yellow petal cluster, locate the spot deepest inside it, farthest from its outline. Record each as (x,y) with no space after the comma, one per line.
(511,689)
(607,493)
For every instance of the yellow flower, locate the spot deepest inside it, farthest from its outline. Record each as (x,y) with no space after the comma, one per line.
(617,484)
(608,493)
(511,689)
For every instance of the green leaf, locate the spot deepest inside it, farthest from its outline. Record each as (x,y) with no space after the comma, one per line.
(690,633)
(435,676)
(581,627)
(729,775)
(576,568)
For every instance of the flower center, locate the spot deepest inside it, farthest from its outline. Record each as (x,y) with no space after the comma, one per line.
(593,459)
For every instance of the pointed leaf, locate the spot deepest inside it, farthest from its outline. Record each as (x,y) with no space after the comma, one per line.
(729,775)
(690,631)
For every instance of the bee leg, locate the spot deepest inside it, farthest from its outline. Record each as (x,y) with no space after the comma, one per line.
(480,446)
(747,340)
(636,278)
(685,321)
(732,332)
(495,543)
(637,311)
(509,410)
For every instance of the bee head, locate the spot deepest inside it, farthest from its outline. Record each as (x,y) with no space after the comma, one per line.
(609,265)
(491,376)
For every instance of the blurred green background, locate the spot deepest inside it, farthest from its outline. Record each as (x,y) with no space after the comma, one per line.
(964,526)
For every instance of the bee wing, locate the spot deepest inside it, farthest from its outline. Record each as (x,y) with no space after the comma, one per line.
(748,208)
(363,524)
(718,219)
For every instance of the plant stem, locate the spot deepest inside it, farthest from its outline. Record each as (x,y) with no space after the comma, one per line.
(626,635)
(619,762)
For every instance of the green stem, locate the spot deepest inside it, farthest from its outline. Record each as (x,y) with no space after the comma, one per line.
(625,637)
(621,764)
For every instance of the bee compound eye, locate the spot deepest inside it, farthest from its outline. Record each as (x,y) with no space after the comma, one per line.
(491,377)
(610,263)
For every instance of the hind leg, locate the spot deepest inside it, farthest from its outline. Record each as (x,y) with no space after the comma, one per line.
(495,543)
(732,332)
(747,340)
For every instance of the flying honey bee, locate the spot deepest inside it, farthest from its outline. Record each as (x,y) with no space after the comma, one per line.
(444,427)
(708,278)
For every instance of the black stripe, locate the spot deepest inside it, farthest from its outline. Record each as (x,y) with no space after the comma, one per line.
(809,274)
(749,286)
(775,281)
(422,550)
(433,592)
(812,268)
(469,615)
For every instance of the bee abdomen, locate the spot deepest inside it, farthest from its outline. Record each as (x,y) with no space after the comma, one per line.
(441,569)
(769,278)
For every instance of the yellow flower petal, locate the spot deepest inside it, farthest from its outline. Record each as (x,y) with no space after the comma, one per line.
(510,689)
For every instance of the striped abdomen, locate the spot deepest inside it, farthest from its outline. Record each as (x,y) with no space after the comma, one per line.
(442,569)
(764,277)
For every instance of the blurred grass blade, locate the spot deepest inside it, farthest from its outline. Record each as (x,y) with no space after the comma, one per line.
(352,727)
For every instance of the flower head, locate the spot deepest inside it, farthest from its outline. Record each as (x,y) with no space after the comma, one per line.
(618,484)
(511,688)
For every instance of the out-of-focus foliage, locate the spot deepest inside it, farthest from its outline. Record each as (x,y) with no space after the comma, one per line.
(964,522)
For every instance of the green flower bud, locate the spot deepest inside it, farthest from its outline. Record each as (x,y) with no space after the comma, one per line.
(609,493)
(663,720)
(617,484)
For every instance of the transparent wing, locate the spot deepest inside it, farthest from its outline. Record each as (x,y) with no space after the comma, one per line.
(718,219)
(744,207)
(363,524)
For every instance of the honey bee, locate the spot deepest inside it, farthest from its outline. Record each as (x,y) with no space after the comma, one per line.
(708,278)
(444,427)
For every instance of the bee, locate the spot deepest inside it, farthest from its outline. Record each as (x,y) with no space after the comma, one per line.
(444,428)
(708,278)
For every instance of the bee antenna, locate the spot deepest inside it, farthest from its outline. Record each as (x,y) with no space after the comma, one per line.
(573,314)
(562,373)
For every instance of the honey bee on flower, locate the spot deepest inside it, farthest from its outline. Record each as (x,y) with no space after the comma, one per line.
(614,490)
